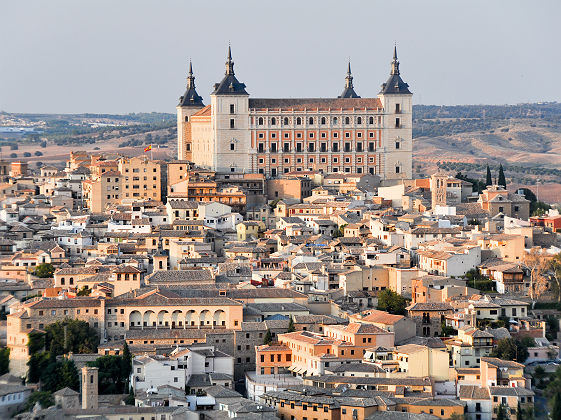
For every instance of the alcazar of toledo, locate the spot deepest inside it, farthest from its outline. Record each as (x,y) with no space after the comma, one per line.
(349,134)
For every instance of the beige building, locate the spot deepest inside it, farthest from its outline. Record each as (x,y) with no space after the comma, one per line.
(127,179)
(349,134)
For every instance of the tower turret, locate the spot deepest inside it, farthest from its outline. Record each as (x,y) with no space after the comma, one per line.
(397,134)
(189,103)
(349,91)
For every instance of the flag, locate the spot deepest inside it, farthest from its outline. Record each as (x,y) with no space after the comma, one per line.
(147,149)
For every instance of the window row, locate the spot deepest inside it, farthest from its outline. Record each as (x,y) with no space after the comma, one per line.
(319,120)
(311,147)
(359,170)
(322,135)
(323,160)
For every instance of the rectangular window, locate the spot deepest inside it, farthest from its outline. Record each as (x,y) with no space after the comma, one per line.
(231,108)
(232,146)
(232,123)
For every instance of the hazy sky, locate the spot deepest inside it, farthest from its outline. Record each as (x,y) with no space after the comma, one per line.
(120,56)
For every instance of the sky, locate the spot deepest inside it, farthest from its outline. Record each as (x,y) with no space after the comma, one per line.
(122,56)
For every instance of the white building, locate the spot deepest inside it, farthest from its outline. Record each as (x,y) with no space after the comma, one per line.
(190,368)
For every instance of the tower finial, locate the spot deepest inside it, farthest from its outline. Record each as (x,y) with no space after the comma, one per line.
(395,63)
(349,78)
(229,62)
(190,77)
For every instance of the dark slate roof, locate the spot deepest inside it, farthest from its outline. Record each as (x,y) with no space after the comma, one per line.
(230,84)
(395,84)
(191,97)
(302,103)
(349,91)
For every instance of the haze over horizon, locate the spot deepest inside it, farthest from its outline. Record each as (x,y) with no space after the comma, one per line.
(132,56)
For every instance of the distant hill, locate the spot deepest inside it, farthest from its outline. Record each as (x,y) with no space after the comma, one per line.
(525,139)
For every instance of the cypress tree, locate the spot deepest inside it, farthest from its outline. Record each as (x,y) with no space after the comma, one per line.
(502,179)
(488,179)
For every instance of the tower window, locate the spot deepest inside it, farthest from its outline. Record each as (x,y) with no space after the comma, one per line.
(298,121)
(397,123)
(371,120)
(359,120)
(397,169)
(311,120)
(397,145)
(335,120)
(232,123)
(397,108)
(186,119)
(273,121)
(285,120)
(323,120)
(347,120)
(231,108)
(260,121)
(232,146)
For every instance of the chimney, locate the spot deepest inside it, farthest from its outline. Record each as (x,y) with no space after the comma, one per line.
(89,387)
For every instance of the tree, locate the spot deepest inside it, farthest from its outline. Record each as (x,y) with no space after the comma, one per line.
(537,264)
(511,349)
(60,374)
(44,398)
(501,413)
(555,403)
(44,271)
(555,269)
(391,302)
(502,179)
(488,179)
(130,400)
(71,335)
(112,375)
(4,360)
(268,337)
(84,291)
(291,327)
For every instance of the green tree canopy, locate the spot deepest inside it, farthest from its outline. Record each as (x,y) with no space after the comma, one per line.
(45,398)
(60,374)
(113,374)
(511,349)
(291,327)
(488,178)
(391,302)
(71,335)
(502,179)
(268,337)
(4,360)
(45,271)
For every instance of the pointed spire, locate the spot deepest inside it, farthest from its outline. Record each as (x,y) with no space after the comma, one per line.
(190,77)
(349,78)
(395,63)
(191,97)
(229,62)
(349,92)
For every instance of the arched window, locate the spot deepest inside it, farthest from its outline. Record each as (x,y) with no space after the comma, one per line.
(335,120)
(273,121)
(298,121)
(71,280)
(260,121)
(311,120)
(371,120)
(347,120)
(285,120)
(359,120)
(322,120)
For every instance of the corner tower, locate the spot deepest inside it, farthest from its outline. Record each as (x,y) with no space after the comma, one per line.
(230,123)
(189,103)
(397,133)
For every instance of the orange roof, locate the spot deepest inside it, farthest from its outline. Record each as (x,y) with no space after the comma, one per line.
(205,112)
(422,183)
(381,317)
